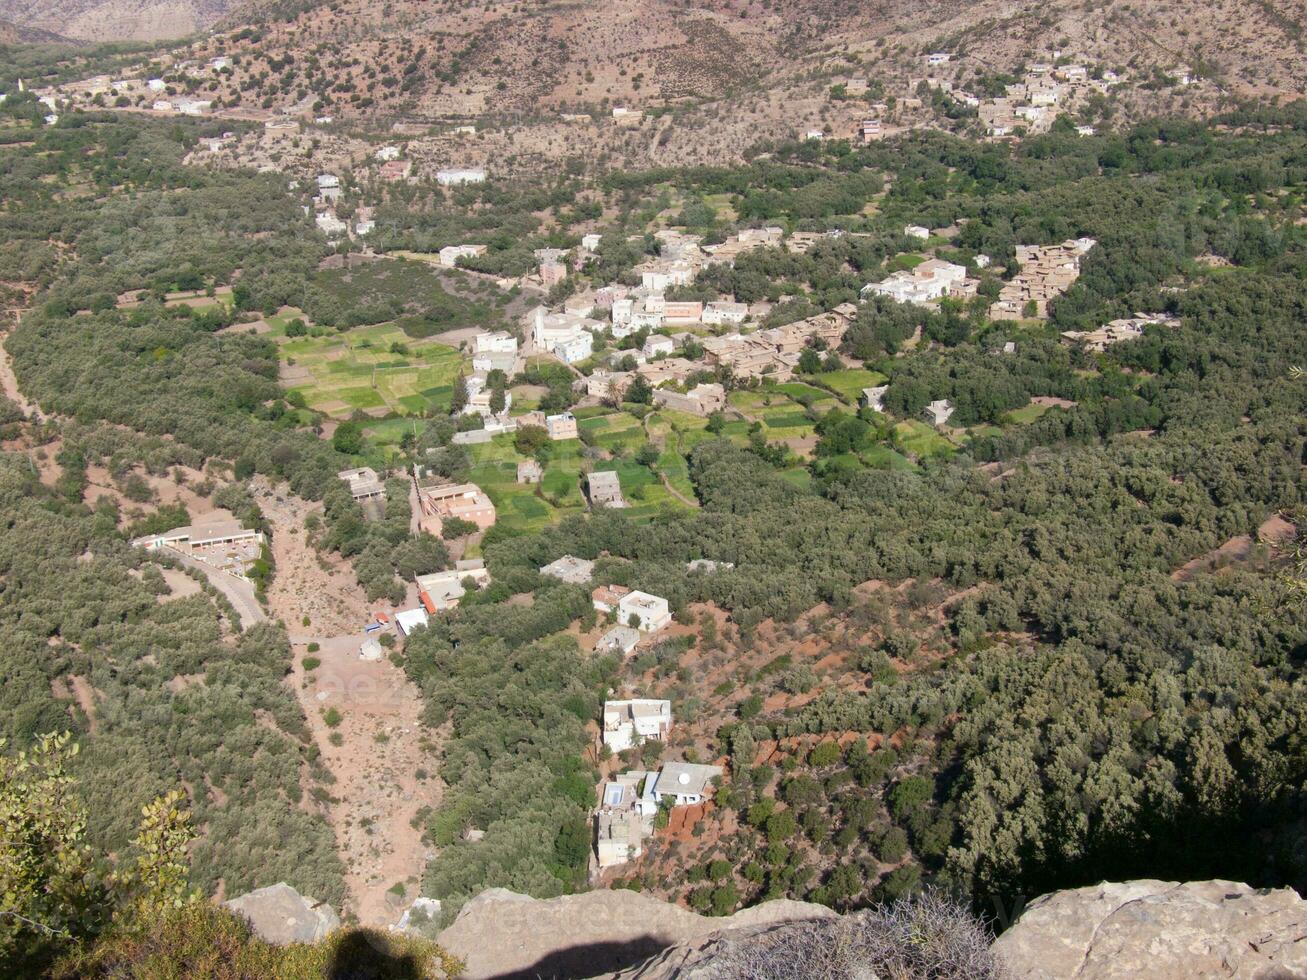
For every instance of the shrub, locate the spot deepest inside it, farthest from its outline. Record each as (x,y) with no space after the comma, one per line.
(926,935)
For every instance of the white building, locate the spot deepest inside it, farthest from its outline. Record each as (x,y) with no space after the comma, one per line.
(683,783)
(917,231)
(461,175)
(330,225)
(939,412)
(930,280)
(642,611)
(722,313)
(590,242)
(635,721)
(569,568)
(575,348)
(656,344)
(156,85)
(501,342)
(450,254)
(439,591)
(386,153)
(407,620)
(619,639)
(665,276)
(874,398)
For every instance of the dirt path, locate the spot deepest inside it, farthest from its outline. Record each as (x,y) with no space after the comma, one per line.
(9,384)
(667,484)
(383,746)
(384,774)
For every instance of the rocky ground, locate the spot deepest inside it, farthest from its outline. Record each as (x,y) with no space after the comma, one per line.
(365,718)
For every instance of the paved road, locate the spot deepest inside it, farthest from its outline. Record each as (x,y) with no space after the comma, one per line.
(240,593)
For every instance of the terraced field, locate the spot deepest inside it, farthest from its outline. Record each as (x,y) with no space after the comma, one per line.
(377,370)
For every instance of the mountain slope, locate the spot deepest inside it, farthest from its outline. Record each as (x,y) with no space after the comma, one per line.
(115,20)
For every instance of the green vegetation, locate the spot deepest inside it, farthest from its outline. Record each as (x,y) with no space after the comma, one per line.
(372,369)
(1083,712)
(412,293)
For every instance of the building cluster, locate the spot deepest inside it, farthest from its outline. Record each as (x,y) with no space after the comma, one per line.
(439,500)
(927,282)
(1114,332)
(629,802)
(774,352)
(1040,96)
(223,544)
(1046,272)
(437,592)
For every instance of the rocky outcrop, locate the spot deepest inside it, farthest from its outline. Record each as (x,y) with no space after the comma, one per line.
(502,934)
(1159,929)
(281,915)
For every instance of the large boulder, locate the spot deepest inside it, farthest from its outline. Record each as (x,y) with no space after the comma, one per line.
(1162,930)
(281,915)
(502,934)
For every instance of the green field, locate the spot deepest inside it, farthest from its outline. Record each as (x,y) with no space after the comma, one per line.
(525,507)
(920,440)
(360,370)
(1025,414)
(850,382)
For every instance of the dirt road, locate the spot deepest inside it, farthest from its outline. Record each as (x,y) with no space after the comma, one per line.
(240,593)
(9,384)
(385,760)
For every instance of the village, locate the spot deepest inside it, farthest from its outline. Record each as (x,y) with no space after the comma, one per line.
(698,362)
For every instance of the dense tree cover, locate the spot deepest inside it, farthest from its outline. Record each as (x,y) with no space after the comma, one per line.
(518,700)
(1104,718)
(175,700)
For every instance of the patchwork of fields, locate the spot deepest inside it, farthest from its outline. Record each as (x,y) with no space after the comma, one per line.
(377,370)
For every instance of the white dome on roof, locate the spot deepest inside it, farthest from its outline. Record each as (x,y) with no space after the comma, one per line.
(683,778)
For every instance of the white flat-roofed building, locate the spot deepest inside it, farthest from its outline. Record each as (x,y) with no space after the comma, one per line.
(407,620)
(684,783)
(720,313)
(643,611)
(569,568)
(438,591)
(363,482)
(460,175)
(874,398)
(630,723)
(450,254)
(619,639)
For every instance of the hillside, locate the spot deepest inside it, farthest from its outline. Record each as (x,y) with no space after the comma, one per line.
(540,81)
(113,20)
(11,33)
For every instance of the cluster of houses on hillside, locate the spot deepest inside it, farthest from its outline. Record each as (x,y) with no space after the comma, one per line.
(629,802)
(1046,272)
(1116,331)
(1044,92)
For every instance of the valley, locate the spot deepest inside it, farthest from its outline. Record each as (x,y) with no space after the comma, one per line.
(839,464)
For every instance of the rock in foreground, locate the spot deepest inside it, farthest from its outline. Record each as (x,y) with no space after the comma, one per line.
(502,934)
(1159,929)
(281,915)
